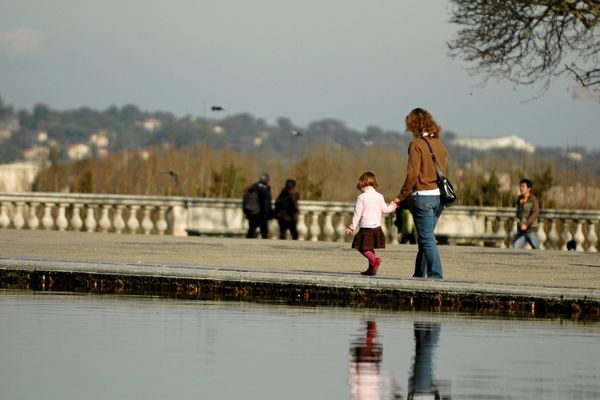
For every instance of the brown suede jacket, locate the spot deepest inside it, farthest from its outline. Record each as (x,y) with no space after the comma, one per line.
(420,171)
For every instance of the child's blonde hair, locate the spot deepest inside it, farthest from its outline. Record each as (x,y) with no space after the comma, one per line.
(367,179)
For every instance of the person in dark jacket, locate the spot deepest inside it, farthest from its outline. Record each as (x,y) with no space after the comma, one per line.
(528,211)
(258,214)
(287,210)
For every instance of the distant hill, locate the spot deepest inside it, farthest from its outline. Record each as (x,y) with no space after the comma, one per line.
(84,132)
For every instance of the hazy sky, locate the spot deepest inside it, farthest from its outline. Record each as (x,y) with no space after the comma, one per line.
(362,62)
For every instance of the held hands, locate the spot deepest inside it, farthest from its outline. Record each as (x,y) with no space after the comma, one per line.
(523,227)
(349,230)
(396,201)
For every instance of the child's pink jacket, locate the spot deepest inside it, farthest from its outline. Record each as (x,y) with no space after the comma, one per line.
(370,205)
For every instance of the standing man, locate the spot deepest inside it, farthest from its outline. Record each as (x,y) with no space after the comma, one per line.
(257,207)
(528,211)
(287,210)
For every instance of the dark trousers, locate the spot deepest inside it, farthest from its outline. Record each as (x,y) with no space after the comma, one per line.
(284,226)
(257,221)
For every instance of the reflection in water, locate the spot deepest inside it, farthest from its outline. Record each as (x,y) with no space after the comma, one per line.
(421,384)
(367,381)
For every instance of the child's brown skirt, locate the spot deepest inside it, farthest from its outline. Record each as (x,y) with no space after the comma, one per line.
(369,239)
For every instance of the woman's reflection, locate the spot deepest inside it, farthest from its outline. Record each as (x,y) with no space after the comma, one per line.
(421,384)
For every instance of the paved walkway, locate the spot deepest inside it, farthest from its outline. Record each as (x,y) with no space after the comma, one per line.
(469,270)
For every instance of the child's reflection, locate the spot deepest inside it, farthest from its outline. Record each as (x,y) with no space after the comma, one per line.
(365,361)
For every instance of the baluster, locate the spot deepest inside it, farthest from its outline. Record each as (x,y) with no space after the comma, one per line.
(118,221)
(161,224)
(553,235)
(578,236)
(302,228)
(104,222)
(273,229)
(147,224)
(383,223)
(61,219)
(90,220)
(18,220)
(33,221)
(133,223)
(592,236)
(315,230)
(488,231)
(513,231)
(340,229)
(4,220)
(328,229)
(566,234)
(542,234)
(501,232)
(76,222)
(47,220)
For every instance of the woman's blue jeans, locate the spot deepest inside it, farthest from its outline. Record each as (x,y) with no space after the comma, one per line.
(426,212)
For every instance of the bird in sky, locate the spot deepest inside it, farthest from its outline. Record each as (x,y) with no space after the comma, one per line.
(296,133)
(217,108)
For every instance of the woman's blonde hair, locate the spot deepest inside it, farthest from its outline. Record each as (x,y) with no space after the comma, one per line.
(367,179)
(419,121)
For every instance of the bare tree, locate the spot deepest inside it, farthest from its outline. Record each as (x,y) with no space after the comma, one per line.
(529,42)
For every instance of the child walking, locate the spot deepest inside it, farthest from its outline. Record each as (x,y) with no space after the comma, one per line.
(370,205)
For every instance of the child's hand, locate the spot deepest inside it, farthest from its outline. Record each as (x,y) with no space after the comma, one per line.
(396,201)
(349,231)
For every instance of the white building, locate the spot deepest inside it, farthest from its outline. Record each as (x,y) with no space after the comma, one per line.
(18,177)
(78,151)
(504,142)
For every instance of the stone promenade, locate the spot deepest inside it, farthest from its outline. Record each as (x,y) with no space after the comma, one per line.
(537,282)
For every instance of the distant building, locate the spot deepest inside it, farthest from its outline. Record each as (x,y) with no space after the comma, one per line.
(42,137)
(78,151)
(151,124)
(36,153)
(7,127)
(18,177)
(505,142)
(573,155)
(100,139)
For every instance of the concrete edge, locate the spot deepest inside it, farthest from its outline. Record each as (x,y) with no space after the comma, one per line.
(336,288)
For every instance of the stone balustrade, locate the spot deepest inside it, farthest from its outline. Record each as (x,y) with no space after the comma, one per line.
(319,221)
(87,212)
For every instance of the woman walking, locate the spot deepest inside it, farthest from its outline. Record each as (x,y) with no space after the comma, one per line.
(421,184)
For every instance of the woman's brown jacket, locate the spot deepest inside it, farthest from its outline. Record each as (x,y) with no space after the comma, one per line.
(420,171)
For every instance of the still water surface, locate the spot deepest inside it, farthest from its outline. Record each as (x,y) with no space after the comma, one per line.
(72,346)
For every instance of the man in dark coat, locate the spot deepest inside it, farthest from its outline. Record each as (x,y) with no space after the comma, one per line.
(257,207)
(286,210)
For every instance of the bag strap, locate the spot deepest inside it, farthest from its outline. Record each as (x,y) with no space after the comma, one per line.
(438,170)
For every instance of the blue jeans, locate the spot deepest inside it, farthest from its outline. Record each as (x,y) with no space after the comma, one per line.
(526,237)
(426,212)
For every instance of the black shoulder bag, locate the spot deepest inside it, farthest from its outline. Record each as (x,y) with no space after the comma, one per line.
(447,195)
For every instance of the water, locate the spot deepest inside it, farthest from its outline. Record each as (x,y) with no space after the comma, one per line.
(73,346)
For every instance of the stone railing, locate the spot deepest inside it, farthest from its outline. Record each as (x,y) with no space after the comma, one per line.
(319,221)
(87,212)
